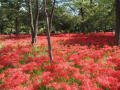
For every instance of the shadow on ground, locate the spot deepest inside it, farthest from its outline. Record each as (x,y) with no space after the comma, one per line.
(91,39)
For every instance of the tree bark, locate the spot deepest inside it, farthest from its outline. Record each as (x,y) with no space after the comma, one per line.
(48,31)
(82,13)
(51,15)
(16,19)
(31,20)
(10,33)
(34,22)
(117,31)
(16,26)
(1,29)
(91,1)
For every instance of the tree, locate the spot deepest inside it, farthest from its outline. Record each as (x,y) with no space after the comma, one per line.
(11,15)
(117,31)
(48,20)
(51,14)
(34,20)
(15,6)
(95,15)
(1,21)
(69,16)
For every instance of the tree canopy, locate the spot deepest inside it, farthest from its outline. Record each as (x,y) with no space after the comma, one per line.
(69,16)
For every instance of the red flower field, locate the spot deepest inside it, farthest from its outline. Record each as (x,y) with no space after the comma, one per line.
(81,62)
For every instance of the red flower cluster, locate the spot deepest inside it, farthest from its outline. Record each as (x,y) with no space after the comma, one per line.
(81,62)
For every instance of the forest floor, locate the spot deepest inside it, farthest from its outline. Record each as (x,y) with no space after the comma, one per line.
(80,62)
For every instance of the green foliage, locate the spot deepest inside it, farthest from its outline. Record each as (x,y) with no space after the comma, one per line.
(72,80)
(69,16)
(37,72)
(45,88)
(97,17)
(35,48)
(1,46)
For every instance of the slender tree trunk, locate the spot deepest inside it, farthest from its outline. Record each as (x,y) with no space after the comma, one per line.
(1,29)
(16,25)
(31,16)
(91,1)
(31,20)
(10,33)
(48,31)
(117,31)
(82,13)
(51,15)
(34,22)
(16,19)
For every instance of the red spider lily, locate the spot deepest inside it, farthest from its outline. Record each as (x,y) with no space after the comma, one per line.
(85,62)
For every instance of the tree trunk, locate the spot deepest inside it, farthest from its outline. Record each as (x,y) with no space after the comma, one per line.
(1,29)
(10,33)
(91,1)
(34,23)
(16,19)
(48,32)
(31,16)
(82,13)
(117,31)
(51,15)
(31,21)
(16,26)
(34,38)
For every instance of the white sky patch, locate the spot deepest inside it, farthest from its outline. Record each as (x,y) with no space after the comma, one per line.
(23,9)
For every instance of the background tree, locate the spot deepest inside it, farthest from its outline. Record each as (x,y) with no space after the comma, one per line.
(98,17)
(117,31)
(95,16)
(12,13)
